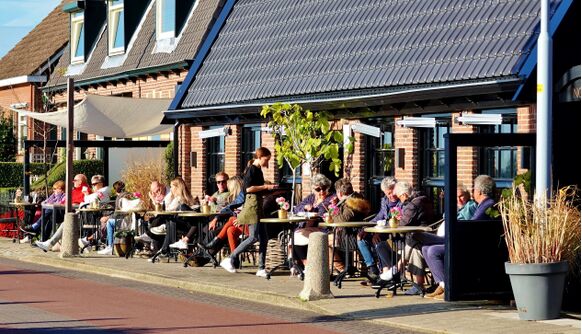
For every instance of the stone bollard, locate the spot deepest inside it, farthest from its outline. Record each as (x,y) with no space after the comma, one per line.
(69,242)
(316,284)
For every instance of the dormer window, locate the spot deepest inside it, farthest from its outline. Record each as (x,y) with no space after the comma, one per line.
(165,19)
(78,37)
(115,26)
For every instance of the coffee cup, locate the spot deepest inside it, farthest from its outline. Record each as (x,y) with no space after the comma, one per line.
(381,223)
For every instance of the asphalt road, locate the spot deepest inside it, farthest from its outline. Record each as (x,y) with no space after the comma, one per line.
(41,299)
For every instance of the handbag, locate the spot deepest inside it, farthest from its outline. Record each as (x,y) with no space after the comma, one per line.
(250,211)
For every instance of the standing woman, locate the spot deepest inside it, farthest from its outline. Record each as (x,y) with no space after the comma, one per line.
(252,211)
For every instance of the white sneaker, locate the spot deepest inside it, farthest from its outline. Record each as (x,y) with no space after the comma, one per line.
(262,273)
(180,244)
(106,251)
(227,265)
(83,242)
(159,230)
(44,245)
(25,240)
(387,276)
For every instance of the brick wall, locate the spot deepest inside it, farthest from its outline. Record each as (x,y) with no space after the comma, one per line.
(198,172)
(268,141)
(184,150)
(408,139)
(356,168)
(467,157)
(526,123)
(232,152)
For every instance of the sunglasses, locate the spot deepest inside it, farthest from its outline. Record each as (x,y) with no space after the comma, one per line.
(95,183)
(220,181)
(318,189)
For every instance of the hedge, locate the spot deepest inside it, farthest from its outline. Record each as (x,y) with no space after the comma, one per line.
(87,167)
(11,173)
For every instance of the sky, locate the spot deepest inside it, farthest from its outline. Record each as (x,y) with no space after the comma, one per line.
(19,17)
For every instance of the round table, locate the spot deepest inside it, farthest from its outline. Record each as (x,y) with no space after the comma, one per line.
(394,231)
(288,231)
(338,280)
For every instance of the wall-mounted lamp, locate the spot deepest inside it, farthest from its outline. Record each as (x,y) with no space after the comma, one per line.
(20,105)
(218,132)
(366,129)
(480,119)
(417,122)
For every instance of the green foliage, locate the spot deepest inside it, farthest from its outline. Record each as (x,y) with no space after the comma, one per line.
(521,179)
(7,140)
(124,234)
(169,159)
(303,136)
(12,173)
(58,172)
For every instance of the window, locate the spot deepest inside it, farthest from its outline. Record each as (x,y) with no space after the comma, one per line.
(250,141)
(215,160)
(77,37)
(500,162)
(116,27)
(165,18)
(381,160)
(432,156)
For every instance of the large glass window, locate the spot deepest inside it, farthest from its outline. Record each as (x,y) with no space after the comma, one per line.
(215,160)
(251,140)
(500,162)
(116,27)
(380,160)
(165,18)
(77,37)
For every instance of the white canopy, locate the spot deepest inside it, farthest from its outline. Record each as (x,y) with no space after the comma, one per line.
(112,116)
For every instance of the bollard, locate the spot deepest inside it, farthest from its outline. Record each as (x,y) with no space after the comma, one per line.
(316,284)
(69,242)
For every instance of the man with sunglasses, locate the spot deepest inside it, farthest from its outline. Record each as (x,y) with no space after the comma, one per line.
(219,199)
(101,192)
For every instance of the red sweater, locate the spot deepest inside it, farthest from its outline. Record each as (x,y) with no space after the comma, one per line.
(78,196)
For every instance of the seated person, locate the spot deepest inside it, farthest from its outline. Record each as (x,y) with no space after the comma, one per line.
(416,211)
(351,207)
(483,193)
(108,221)
(101,193)
(318,201)
(158,192)
(57,197)
(433,247)
(366,240)
(234,187)
(219,199)
(77,196)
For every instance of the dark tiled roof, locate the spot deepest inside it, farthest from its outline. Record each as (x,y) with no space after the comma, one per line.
(140,55)
(280,48)
(35,49)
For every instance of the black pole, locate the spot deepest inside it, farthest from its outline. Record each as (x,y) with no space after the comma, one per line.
(106,164)
(450,212)
(176,148)
(26,176)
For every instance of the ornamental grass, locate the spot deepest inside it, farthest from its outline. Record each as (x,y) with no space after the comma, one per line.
(138,176)
(537,233)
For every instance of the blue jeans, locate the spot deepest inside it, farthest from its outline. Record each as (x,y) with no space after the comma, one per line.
(365,249)
(110,231)
(256,232)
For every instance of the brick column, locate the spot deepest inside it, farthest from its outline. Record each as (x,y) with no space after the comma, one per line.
(526,123)
(467,157)
(268,141)
(198,172)
(408,139)
(357,165)
(185,142)
(232,151)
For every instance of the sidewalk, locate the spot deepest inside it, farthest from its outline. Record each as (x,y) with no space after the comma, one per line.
(353,300)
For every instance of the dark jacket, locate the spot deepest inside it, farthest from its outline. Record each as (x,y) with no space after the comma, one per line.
(354,208)
(417,211)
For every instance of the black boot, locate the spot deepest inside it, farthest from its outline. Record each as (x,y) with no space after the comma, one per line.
(212,243)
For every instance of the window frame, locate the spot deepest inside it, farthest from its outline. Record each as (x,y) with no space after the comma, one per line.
(114,12)
(210,155)
(160,21)
(509,119)
(246,152)
(77,22)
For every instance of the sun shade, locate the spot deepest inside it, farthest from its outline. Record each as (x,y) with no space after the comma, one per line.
(112,116)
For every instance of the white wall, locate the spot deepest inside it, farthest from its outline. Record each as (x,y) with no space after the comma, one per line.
(120,157)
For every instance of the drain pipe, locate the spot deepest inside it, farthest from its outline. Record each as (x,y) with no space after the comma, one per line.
(544,107)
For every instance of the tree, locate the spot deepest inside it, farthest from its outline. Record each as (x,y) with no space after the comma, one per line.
(7,141)
(303,136)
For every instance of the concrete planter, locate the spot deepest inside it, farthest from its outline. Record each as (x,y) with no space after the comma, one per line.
(537,288)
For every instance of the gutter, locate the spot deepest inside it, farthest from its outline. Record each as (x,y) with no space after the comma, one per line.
(22,79)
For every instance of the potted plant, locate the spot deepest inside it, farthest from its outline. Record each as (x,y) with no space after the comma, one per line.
(283,207)
(543,237)
(123,241)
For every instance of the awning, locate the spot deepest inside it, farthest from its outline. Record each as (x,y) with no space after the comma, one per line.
(112,116)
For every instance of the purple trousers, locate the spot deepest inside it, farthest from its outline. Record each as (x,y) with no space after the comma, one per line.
(434,255)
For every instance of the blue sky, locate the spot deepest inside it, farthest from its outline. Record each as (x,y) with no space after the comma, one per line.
(18,17)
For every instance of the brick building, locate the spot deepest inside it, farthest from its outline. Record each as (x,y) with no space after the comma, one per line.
(25,69)
(375,63)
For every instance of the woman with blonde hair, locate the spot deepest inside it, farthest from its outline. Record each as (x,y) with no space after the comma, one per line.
(179,196)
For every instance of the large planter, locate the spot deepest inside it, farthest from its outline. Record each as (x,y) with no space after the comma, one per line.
(537,288)
(122,245)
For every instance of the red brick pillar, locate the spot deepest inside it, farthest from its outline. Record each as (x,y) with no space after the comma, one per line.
(356,164)
(232,151)
(467,157)
(198,171)
(185,142)
(268,141)
(407,139)
(526,123)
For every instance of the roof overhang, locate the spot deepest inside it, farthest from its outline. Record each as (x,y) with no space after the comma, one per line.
(22,79)
(387,101)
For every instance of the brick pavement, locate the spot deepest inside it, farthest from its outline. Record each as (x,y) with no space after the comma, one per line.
(353,300)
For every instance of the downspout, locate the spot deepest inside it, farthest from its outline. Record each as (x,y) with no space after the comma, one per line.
(176,148)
